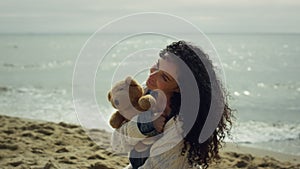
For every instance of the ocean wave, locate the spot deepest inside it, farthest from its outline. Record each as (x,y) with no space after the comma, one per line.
(48,104)
(4,89)
(37,103)
(58,104)
(38,66)
(257,131)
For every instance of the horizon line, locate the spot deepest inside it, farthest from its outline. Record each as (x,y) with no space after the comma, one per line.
(111,33)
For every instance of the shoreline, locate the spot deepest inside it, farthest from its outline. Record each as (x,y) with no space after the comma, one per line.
(283,157)
(27,143)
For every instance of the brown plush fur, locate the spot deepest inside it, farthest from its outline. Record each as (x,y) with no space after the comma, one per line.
(127,96)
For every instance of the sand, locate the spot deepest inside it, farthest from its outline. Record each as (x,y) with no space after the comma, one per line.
(45,145)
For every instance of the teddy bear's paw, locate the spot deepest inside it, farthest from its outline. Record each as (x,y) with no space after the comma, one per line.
(146,102)
(115,126)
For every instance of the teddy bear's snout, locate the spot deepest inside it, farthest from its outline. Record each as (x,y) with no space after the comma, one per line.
(116,102)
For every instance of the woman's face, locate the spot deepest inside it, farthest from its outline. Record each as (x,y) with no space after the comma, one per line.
(162,76)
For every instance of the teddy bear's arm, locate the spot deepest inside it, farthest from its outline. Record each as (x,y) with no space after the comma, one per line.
(117,120)
(126,136)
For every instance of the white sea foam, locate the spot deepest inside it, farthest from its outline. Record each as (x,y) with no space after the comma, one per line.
(247,93)
(256,131)
(37,103)
(38,66)
(236,93)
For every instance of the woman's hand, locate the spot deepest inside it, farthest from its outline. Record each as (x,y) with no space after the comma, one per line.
(159,122)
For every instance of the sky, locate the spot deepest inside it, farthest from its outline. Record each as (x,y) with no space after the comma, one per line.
(211,16)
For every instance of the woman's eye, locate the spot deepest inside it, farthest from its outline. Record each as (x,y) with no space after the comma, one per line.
(164,77)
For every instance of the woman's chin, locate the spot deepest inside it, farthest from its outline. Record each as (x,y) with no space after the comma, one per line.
(151,87)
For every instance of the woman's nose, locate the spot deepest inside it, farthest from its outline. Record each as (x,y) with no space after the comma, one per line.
(153,69)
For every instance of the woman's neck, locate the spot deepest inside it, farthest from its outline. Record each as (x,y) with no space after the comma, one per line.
(167,110)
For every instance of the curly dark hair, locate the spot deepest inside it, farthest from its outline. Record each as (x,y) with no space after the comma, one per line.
(201,66)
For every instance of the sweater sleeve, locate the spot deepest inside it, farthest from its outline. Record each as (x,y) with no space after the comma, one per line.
(169,159)
(124,138)
(166,151)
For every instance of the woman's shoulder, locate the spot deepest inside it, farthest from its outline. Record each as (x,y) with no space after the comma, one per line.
(172,136)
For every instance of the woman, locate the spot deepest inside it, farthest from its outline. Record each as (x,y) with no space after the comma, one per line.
(179,141)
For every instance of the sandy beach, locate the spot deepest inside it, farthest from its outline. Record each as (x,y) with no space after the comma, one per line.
(45,145)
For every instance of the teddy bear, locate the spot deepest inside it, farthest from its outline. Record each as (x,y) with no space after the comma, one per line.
(127,96)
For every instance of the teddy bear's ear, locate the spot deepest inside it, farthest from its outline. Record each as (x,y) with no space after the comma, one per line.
(109,96)
(128,80)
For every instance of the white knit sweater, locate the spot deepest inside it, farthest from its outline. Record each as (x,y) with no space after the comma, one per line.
(165,152)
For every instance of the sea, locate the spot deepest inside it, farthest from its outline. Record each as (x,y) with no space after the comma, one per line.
(261,73)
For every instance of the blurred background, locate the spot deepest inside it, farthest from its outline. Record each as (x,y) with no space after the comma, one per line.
(258,43)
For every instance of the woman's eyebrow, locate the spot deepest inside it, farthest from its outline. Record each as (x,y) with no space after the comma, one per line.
(164,74)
